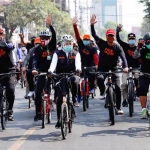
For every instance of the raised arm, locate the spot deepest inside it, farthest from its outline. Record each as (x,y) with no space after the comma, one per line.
(52,43)
(77,34)
(22,39)
(118,29)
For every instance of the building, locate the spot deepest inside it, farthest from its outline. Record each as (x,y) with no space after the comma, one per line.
(111,11)
(62,4)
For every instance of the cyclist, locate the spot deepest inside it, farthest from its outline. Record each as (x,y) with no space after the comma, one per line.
(89,56)
(144,54)
(41,62)
(6,66)
(65,61)
(27,63)
(108,58)
(128,49)
(28,45)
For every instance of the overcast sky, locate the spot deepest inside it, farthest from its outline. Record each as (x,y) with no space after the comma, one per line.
(132,13)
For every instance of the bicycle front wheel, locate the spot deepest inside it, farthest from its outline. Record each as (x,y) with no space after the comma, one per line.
(131,97)
(84,96)
(43,114)
(64,120)
(4,114)
(111,105)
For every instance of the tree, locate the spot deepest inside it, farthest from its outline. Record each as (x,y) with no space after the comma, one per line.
(112,25)
(145,27)
(21,13)
(147,5)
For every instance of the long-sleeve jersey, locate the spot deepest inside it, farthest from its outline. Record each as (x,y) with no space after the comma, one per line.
(108,56)
(128,52)
(89,56)
(6,58)
(42,55)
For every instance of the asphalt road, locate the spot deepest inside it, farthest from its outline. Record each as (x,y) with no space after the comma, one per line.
(91,130)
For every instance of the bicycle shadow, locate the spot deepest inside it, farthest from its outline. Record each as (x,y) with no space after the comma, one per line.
(134,132)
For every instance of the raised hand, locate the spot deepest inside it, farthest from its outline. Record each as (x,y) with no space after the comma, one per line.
(93,19)
(48,20)
(119,27)
(74,20)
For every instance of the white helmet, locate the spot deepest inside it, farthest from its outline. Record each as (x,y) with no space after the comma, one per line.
(67,38)
(45,33)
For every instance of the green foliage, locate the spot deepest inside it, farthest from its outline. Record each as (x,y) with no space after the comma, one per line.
(147,5)
(23,12)
(145,27)
(112,25)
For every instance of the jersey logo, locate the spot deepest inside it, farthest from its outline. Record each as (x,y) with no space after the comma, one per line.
(2,52)
(148,56)
(86,52)
(72,57)
(108,51)
(61,57)
(130,53)
(44,54)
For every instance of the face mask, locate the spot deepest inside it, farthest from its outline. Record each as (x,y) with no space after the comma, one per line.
(131,42)
(86,43)
(68,48)
(44,42)
(59,48)
(148,46)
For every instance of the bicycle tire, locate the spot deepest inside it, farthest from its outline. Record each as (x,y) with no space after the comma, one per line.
(130,97)
(70,119)
(30,102)
(64,121)
(4,114)
(84,95)
(43,114)
(49,117)
(111,105)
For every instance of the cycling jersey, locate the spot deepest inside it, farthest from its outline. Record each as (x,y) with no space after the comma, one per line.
(108,56)
(42,56)
(128,52)
(89,56)
(6,58)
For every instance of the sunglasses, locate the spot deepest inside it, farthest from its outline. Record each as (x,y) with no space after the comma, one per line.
(110,35)
(44,38)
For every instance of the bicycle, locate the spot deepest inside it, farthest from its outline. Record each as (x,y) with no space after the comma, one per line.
(47,105)
(67,110)
(110,101)
(131,89)
(84,88)
(3,102)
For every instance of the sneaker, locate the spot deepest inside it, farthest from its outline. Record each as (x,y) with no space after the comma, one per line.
(30,93)
(58,124)
(125,103)
(144,113)
(38,117)
(26,96)
(10,116)
(76,104)
(91,91)
(102,97)
(119,111)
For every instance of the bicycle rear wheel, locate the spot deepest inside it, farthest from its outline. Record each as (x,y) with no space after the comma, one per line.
(4,114)
(84,95)
(111,105)
(43,113)
(131,97)
(30,100)
(49,116)
(64,120)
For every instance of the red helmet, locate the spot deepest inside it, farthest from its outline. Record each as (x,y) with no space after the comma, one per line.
(1,31)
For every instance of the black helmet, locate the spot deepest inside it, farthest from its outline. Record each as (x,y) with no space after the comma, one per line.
(146,36)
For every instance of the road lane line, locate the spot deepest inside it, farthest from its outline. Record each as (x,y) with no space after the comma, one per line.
(22,139)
